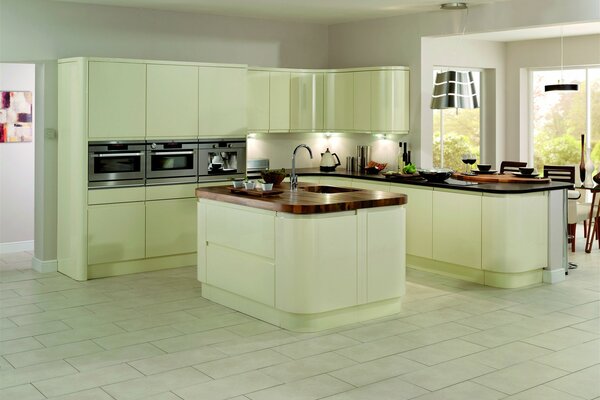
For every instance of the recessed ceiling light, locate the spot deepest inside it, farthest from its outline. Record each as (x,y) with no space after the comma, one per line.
(454,6)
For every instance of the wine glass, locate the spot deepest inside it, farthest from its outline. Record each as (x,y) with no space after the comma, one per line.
(469,159)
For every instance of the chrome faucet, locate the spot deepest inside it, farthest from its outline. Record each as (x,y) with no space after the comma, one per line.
(293,176)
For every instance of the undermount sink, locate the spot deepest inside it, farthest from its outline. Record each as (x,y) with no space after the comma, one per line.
(327,189)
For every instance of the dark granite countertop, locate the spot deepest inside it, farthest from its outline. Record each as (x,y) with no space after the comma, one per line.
(503,188)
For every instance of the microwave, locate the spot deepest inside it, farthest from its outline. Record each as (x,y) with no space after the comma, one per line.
(116,163)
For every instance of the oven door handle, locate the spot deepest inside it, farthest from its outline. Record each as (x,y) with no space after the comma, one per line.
(171,153)
(116,154)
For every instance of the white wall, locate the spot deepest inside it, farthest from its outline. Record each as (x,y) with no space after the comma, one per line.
(523,55)
(397,41)
(16,169)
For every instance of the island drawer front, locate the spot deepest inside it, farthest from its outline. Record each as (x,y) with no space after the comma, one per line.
(254,229)
(165,192)
(241,273)
(117,195)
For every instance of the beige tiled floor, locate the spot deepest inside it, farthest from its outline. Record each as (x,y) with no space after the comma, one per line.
(151,336)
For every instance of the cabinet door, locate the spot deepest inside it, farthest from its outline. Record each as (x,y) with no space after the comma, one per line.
(172,107)
(339,101)
(258,101)
(222,102)
(170,227)
(306,101)
(419,223)
(116,232)
(362,101)
(279,101)
(457,228)
(370,185)
(389,101)
(117,100)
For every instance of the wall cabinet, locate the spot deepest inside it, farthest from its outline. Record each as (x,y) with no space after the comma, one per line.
(306,101)
(362,101)
(258,100)
(339,101)
(457,228)
(116,232)
(222,101)
(279,101)
(389,101)
(170,227)
(172,105)
(117,100)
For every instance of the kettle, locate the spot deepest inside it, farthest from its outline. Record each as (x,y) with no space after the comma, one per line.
(328,161)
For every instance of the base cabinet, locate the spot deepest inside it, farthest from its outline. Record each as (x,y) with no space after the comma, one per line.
(170,227)
(116,232)
(419,219)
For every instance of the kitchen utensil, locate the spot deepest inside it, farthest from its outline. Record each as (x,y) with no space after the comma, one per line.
(484,167)
(350,164)
(363,156)
(274,176)
(526,170)
(436,174)
(329,161)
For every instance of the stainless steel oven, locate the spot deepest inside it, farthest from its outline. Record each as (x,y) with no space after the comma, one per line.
(171,162)
(116,163)
(221,159)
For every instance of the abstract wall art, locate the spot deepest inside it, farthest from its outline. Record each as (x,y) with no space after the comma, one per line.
(16,117)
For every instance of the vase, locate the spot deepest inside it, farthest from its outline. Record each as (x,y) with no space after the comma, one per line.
(589,169)
(597,176)
(582,162)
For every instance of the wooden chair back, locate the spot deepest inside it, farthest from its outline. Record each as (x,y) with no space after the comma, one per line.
(511,166)
(560,173)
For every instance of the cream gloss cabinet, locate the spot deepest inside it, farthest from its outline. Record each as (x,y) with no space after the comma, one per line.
(339,101)
(116,100)
(170,227)
(306,101)
(279,101)
(390,101)
(362,101)
(172,104)
(258,100)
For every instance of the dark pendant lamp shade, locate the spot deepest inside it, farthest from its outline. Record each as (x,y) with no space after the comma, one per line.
(454,89)
(562,87)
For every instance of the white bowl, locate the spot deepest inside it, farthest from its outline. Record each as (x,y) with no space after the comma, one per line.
(249,185)
(238,184)
(266,186)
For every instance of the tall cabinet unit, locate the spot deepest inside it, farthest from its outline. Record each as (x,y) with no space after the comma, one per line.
(118,230)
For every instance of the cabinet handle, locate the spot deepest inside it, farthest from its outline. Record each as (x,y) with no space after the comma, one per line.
(172,153)
(116,154)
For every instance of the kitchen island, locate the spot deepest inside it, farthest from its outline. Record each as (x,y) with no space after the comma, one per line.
(304,260)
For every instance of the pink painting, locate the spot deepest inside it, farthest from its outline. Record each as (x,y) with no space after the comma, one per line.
(16,117)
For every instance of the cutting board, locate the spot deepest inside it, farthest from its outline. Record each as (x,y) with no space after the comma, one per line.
(499,178)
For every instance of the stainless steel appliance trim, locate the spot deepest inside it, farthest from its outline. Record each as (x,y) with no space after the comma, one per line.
(171,153)
(116,154)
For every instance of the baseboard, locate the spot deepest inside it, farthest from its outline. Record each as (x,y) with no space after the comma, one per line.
(44,266)
(15,247)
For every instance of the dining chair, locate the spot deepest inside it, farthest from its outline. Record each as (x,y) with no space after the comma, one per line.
(576,211)
(511,166)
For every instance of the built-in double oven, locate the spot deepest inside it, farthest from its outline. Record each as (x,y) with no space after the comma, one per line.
(161,162)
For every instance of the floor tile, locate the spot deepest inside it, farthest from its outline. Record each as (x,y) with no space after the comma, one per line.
(520,377)
(141,388)
(115,356)
(46,316)
(22,392)
(307,389)
(437,333)
(14,377)
(86,380)
(443,351)
(18,345)
(378,331)
(587,311)
(390,389)
(542,392)
(170,361)
(561,338)
(436,317)
(592,326)
(143,336)
(33,357)
(77,335)
(376,370)
(463,391)
(154,320)
(194,340)
(574,358)
(19,310)
(213,322)
(307,367)
(378,348)
(252,328)
(491,319)
(256,342)
(446,374)
(317,345)
(243,363)
(90,394)
(226,388)
(584,383)
(508,354)
(32,330)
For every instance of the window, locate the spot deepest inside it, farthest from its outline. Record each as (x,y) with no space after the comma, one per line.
(560,118)
(456,132)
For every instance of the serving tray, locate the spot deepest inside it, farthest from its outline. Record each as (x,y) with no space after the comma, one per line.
(255,192)
(499,178)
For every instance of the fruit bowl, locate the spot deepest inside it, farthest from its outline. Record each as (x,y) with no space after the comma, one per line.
(274,176)
(436,174)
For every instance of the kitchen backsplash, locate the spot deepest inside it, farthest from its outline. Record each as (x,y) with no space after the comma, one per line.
(278,147)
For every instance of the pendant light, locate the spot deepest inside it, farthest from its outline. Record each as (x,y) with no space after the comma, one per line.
(560,86)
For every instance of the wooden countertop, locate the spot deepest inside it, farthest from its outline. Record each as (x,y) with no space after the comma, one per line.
(304,202)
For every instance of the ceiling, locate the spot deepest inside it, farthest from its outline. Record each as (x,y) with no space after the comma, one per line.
(315,11)
(581,29)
